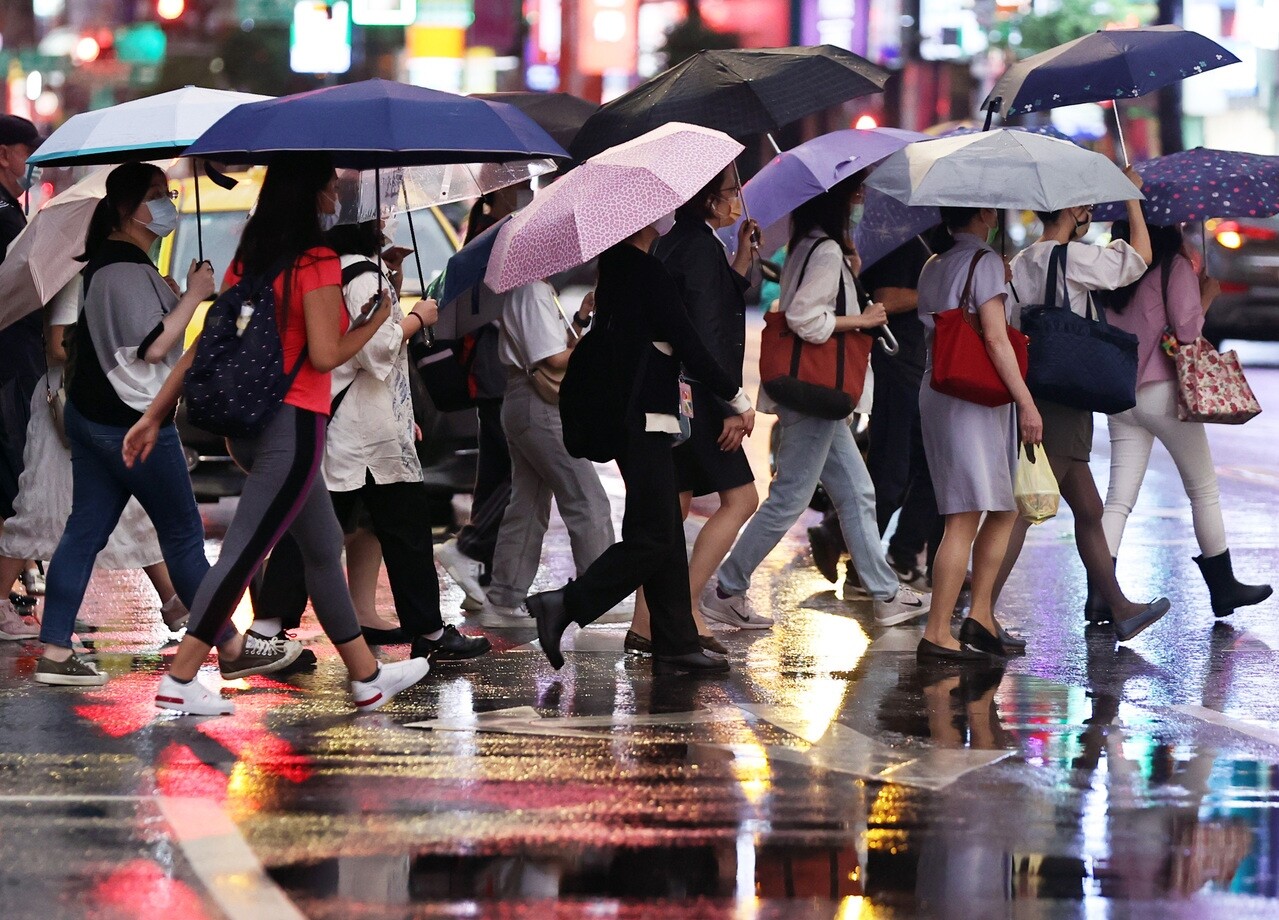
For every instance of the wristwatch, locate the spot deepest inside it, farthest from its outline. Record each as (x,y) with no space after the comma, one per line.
(582,323)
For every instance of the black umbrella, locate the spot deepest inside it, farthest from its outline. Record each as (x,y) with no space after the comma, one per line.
(741,93)
(561,115)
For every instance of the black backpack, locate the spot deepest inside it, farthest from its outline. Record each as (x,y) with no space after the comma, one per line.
(598,392)
(237,380)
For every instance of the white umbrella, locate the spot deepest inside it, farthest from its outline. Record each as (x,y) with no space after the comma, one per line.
(1001,169)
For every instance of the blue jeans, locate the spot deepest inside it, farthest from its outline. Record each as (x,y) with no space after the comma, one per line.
(813,450)
(101,486)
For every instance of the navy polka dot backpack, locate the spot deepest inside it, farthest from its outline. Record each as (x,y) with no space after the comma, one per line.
(237,380)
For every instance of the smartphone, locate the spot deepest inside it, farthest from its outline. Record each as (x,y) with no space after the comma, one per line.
(367,312)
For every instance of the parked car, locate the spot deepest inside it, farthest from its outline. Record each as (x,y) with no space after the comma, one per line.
(1244,256)
(448,448)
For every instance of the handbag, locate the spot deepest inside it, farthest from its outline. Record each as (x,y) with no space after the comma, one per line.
(824,381)
(546,380)
(1076,361)
(961,365)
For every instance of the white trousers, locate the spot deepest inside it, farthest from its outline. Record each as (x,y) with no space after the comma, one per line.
(1131,435)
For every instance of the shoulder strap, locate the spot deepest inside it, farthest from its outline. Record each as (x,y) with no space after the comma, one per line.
(970,316)
(355,269)
(1057,258)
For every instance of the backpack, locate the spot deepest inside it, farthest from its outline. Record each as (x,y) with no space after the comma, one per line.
(598,393)
(237,380)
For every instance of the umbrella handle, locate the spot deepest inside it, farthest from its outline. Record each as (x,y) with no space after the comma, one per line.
(887,341)
(199,230)
(417,255)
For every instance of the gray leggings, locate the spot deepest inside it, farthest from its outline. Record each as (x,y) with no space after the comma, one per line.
(283,492)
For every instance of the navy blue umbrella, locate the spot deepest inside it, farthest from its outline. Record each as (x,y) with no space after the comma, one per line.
(1202,183)
(377,124)
(460,314)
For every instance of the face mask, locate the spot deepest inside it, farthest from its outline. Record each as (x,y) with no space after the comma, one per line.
(663,225)
(328,221)
(164,217)
(855,216)
(735,209)
(1081,225)
(26,180)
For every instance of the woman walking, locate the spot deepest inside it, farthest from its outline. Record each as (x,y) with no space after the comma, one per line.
(1169,296)
(283,490)
(711,461)
(1068,431)
(639,302)
(812,449)
(971,449)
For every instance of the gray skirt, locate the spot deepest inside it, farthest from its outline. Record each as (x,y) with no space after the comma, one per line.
(971,451)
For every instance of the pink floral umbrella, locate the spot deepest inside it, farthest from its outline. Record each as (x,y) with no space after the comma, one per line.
(606,199)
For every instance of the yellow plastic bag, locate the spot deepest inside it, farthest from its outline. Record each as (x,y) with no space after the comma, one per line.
(1035,486)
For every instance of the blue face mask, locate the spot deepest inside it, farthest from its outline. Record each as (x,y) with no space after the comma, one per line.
(858,212)
(27,179)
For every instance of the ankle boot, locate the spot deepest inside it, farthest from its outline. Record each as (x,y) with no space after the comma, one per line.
(1226,592)
(1096,610)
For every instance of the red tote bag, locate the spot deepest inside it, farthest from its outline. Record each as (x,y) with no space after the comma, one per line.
(961,366)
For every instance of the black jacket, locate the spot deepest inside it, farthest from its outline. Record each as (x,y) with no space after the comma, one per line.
(713,294)
(22,343)
(637,297)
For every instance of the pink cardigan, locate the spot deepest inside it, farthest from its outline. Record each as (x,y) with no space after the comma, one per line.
(1146,316)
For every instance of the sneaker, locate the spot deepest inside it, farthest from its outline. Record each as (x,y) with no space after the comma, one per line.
(734,610)
(260,655)
(496,616)
(33,581)
(193,698)
(391,678)
(907,605)
(462,569)
(74,672)
(452,646)
(14,626)
(174,613)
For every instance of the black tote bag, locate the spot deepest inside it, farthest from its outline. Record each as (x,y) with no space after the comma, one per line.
(1076,361)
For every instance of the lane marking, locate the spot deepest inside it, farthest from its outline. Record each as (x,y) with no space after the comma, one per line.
(1244,727)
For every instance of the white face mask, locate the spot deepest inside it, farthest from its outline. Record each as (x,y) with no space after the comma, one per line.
(328,221)
(390,226)
(663,225)
(164,217)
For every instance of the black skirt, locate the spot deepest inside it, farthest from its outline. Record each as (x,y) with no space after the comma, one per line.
(700,466)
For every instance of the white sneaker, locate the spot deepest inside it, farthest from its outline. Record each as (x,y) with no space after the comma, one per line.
(14,626)
(908,605)
(496,616)
(462,569)
(735,610)
(194,699)
(392,677)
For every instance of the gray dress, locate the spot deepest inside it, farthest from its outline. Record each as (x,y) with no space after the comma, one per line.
(971,449)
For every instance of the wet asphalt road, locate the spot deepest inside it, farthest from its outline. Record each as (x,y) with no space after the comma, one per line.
(828,777)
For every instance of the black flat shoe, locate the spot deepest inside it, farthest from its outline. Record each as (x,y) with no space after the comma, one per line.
(693,663)
(1013,645)
(452,646)
(552,619)
(826,553)
(636,644)
(374,636)
(1133,626)
(979,637)
(931,653)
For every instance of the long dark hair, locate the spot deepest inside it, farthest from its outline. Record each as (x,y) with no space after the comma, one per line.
(285,222)
(127,187)
(1166,243)
(828,212)
(362,239)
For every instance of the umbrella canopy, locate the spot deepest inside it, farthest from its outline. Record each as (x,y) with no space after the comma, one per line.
(605,200)
(156,127)
(738,92)
(459,313)
(1112,64)
(560,114)
(1001,169)
(377,124)
(415,188)
(1202,183)
(41,261)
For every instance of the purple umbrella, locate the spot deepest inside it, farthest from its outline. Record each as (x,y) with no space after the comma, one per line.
(1202,183)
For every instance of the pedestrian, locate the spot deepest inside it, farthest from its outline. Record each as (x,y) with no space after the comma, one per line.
(971,449)
(638,300)
(1169,296)
(21,343)
(126,343)
(44,495)
(711,461)
(1068,431)
(812,449)
(536,341)
(283,489)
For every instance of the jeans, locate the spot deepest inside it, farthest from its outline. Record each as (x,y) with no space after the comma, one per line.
(1132,433)
(101,486)
(813,450)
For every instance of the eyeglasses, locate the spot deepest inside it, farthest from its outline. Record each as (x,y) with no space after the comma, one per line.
(733,191)
(171,194)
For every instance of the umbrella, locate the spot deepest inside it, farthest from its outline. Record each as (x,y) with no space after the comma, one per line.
(561,114)
(1001,169)
(462,275)
(1108,65)
(377,124)
(605,200)
(740,93)
(1202,183)
(41,261)
(414,188)
(156,127)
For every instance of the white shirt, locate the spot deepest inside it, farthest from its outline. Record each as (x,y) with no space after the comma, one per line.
(533,328)
(1088,268)
(372,431)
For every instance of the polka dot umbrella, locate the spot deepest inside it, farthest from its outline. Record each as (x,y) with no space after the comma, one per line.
(1203,183)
